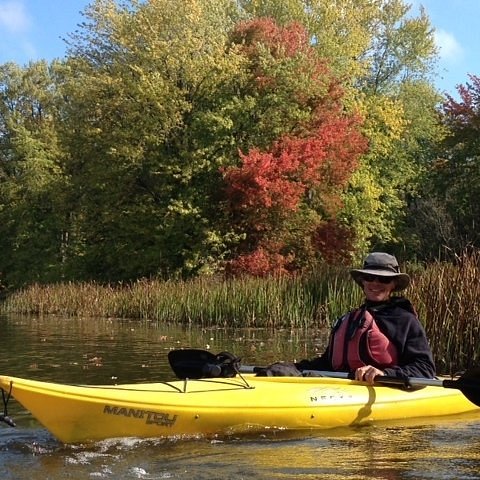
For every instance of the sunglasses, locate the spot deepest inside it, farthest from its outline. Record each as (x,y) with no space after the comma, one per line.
(372,278)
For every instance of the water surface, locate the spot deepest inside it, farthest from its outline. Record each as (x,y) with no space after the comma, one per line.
(106,351)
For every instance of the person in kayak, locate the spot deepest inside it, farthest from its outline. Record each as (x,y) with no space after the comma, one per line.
(384,335)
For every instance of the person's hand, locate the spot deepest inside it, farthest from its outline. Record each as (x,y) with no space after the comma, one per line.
(367,373)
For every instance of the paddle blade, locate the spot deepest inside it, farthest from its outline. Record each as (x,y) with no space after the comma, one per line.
(469,384)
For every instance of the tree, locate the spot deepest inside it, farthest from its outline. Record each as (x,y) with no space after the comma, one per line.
(384,57)
(179,134)
(153,118)
(289,190)
(455,175)
(32,185)
(148,127)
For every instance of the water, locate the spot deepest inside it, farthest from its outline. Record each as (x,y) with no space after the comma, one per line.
(97,351)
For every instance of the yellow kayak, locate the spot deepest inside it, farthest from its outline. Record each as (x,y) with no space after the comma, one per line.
(222,406)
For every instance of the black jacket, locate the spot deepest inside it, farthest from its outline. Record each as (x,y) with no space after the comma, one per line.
(399,322)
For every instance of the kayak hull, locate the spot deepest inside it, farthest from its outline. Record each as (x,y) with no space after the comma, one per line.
(85,413)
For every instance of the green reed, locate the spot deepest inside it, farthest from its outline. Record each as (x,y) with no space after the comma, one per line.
(274,302)
(446,295)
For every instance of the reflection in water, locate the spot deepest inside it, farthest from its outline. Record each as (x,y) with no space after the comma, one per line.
(87,350)
(103,351)
(366,410)
(367,453)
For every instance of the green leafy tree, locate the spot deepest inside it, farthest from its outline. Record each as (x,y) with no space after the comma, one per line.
(148,129)
(402,125)
(163,96)
(113,164)
(32,184)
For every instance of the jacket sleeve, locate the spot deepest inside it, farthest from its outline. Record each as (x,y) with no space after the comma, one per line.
(415,356)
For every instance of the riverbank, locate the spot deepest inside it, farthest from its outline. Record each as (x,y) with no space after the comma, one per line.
(446,295)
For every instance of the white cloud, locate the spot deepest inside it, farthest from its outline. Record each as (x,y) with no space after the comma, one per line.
(13,16)
(450,49)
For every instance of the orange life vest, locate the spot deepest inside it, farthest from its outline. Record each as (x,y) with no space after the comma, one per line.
(357,341)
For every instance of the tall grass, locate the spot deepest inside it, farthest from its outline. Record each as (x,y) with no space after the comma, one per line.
(274,302)
(446,295)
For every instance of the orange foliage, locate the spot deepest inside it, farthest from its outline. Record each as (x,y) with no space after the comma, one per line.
(281,42)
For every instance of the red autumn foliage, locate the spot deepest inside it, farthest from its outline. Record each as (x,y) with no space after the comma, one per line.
(280,178)
(267,187)
(463,117)
(265,32)
(281,42)
(264,181)
(329,234)
(260,263)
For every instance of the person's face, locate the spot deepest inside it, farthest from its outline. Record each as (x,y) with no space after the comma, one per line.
(377,289)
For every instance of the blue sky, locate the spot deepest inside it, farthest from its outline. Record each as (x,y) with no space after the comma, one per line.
(33,29)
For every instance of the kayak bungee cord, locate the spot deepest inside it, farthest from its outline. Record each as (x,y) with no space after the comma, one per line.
(4,416)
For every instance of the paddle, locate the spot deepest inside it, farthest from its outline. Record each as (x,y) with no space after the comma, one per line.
(195,363)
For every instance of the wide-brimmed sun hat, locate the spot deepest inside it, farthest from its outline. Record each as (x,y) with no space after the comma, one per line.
(382,265)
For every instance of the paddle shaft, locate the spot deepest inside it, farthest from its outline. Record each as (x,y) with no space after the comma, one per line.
(379,379)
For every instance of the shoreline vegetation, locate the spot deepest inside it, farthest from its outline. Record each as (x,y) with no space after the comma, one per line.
(445,294)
